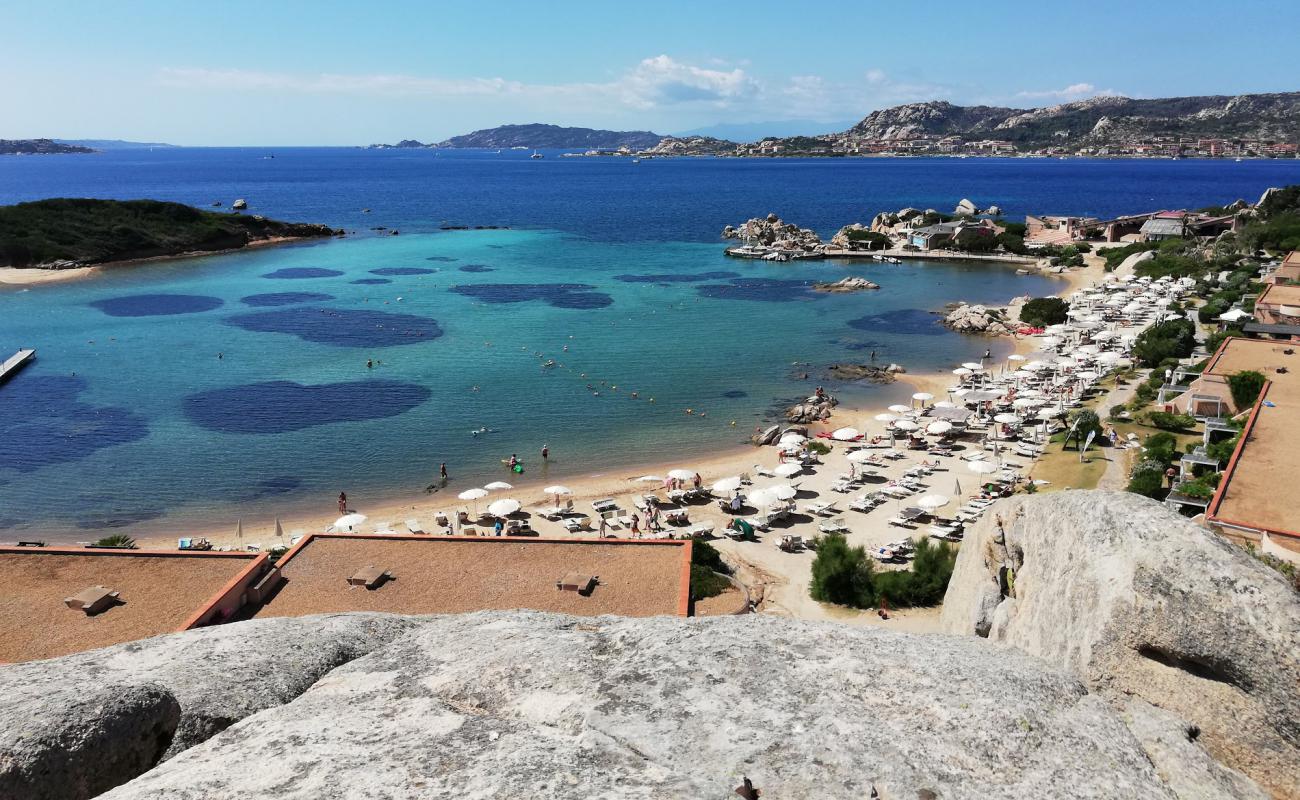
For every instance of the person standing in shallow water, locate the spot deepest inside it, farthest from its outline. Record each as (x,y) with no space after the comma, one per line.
(442,471)
(546,452)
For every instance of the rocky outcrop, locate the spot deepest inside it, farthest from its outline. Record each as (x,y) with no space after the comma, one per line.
(519,704)
(814,409)
(980,320)
(239,204)
(849,284)
(1139,602)
(76,726)
(870,373)
(966,208)
(771,231)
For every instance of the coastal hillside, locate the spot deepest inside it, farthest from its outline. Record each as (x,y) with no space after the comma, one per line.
(65,232)
(554,136)
(1099,119)
(41,147)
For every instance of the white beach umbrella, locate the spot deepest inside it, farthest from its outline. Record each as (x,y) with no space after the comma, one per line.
(497,485)
(788,440)
(473,494)
(557,490)
(859,456)
(846,434)
(787,470)
(1027,402)
(1006,419)
(1036,366)
(932,502)
(681,474)
(781,491)
(962,371)
(1030,393)
(944,404)
(923,396)
(650,479)
(1015,357)
(906,425)
(972,365)
(503,507)
(982,467)
(886,418)
(939,427)
(761,498)
(726,485)
(1086,375)
(349,522)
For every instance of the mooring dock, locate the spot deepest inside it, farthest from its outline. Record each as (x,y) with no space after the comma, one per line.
(14,363)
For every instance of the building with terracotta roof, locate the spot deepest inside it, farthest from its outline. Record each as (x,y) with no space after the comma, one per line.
(56,601)
(1253,503)
(327,573)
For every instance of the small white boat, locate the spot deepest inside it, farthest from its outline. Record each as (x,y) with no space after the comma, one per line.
(536,155)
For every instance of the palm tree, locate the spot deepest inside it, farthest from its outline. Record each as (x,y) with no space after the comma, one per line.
(117,540)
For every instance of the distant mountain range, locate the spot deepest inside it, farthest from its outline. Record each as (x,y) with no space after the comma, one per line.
(553,136)
(24,147)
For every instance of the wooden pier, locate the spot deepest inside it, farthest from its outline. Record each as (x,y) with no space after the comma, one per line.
(14,363)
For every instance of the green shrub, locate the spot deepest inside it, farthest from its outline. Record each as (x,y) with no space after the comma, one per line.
(841,574)
(1084,422)
(706,555)
(1166,421)
(1245,387)
(1147,479)
(1117,412)
(706,583)
(1161,448)
(1043,311)
(820,448)
(1170,339)
(1222,449)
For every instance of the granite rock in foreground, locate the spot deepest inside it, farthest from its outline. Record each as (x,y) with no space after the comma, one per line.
(1140,602)
(522,704)
(75,726)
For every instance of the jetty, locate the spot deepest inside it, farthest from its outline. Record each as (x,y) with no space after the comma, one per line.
(14,363)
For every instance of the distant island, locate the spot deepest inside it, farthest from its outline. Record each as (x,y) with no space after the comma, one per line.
(538,136)
(112,144)
(65,233)
(39,147)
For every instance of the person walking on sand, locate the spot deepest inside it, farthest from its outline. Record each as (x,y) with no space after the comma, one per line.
(343,503)
(636,526)
(604,527)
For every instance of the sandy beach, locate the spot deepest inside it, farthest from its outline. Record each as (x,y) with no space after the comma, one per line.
(37,276)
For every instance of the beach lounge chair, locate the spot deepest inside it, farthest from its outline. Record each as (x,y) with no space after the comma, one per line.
(842,486)
(413,525)
(900,521)
(863,504)
(577,524)
(441,519)
(763,473)
(701,530)
(761,521)
(604,504)
(821,509)
(835,525)
(462,516)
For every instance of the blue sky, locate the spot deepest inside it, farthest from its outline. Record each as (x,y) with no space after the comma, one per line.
(239,72)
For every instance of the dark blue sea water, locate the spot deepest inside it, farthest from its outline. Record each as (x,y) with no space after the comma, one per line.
(172,394)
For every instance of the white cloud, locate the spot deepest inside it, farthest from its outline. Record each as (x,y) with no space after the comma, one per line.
(662,81)
(1075,91)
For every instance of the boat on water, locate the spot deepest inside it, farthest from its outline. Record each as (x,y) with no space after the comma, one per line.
(537,155)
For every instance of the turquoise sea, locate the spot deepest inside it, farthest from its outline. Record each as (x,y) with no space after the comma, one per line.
(179,393)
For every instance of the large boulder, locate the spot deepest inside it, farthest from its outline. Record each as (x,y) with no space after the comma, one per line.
(519,704)
(980,320)
(966,208)
(174,691)
(1141,602)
